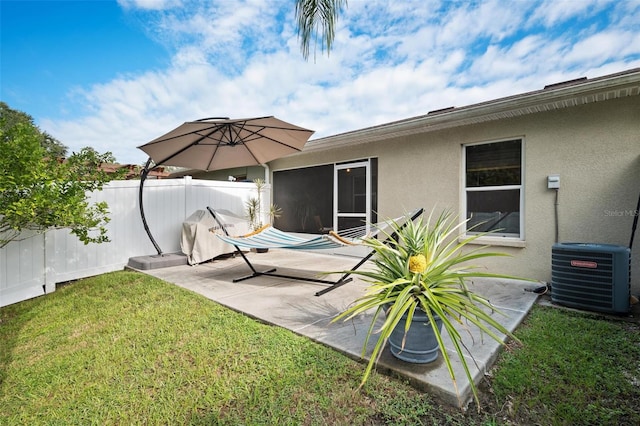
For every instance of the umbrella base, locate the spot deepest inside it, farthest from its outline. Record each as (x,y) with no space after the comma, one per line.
(157,261)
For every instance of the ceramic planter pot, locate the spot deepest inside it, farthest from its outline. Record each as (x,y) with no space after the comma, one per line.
(420,346)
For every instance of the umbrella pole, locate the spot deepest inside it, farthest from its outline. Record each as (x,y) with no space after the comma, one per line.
(143,176)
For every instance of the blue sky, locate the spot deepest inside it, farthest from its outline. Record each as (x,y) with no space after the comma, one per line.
(116,74)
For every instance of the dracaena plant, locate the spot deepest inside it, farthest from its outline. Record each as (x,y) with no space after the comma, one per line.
(421,265)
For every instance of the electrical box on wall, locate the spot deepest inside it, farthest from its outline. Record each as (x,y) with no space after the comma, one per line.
(553,181)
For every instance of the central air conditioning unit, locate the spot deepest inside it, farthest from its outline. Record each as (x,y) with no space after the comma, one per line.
(594,277)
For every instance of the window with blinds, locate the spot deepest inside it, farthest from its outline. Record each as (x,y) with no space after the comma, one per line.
(493,188)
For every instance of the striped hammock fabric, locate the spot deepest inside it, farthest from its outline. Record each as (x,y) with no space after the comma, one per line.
(270,237)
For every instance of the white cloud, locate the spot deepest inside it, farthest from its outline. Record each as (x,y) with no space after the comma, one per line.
(604,46)
(149,4)
(391,60)
(551,12)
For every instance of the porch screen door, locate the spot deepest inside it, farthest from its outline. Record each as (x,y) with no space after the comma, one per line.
(352,195)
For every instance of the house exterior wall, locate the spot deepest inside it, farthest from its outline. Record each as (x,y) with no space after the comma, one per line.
(595,148)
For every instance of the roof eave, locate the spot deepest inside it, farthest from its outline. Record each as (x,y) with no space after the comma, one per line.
(552,98)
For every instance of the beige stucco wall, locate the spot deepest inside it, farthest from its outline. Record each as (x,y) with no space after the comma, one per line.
(595,148)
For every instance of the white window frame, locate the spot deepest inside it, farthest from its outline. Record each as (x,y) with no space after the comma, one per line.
(495,238)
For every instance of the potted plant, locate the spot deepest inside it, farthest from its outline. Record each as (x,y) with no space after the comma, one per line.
(274,212)
(253,208)
(421,271)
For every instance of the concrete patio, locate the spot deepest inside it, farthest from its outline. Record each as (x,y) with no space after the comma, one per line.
(293,305)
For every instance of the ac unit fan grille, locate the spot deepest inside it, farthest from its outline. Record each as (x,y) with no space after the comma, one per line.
(577,286)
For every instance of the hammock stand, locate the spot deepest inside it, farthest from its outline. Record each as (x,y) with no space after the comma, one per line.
(299,243)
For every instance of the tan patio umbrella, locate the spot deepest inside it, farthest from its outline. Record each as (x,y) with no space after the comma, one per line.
(222,143)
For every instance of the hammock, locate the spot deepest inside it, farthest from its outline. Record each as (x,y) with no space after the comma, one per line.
(270,237)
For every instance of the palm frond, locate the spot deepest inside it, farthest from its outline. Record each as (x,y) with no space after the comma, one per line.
(317,18)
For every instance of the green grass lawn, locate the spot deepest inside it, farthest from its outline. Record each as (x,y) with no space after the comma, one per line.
(126,348)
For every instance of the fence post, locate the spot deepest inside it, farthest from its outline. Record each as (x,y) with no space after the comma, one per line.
(49,262)
(188,196)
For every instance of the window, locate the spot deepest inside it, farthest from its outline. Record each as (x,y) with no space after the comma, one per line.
(493,188)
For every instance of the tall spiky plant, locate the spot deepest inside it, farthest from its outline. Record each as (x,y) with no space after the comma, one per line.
(423,266)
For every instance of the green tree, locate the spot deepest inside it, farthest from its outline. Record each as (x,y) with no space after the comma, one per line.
(317,17)
(53,147)
(39,191)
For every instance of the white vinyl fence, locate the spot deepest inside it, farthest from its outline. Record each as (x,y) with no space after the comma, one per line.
(32,267)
